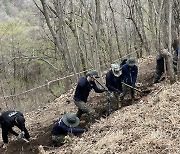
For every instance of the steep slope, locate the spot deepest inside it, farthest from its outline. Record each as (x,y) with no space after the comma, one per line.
(145,127)
(148,125)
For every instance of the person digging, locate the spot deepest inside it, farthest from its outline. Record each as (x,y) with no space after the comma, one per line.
(129,73)
(114,85)
(8,120)
(65,128)
(83,88)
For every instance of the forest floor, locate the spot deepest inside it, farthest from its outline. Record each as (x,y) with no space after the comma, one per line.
(151,124)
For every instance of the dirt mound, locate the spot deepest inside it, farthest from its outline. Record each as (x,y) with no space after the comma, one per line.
(145,127)
(40,122)
(20,146)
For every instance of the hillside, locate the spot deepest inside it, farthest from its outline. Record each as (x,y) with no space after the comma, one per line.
(150,125)
(145,127)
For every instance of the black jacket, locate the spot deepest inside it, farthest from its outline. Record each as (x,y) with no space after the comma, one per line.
(10,119)
(60,128)
(129,74)
(159,64)
(83,88)
(113,83)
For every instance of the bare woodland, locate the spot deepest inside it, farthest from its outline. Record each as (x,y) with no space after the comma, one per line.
(47,44)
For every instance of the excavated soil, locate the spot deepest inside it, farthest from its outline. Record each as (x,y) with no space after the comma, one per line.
(41,122)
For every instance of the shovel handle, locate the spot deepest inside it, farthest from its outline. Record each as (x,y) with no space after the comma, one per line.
(101,84)
(132,87)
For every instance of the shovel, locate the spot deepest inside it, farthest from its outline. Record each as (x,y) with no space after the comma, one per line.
(144,92)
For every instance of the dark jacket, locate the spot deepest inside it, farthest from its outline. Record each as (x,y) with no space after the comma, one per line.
(123,62)
(113,83)
(60,128)
(159,64)
(129,74)
(83,88)
(10,119)
(175,57)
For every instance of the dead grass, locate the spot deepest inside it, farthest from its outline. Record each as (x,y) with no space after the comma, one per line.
(153,127)
(150,126)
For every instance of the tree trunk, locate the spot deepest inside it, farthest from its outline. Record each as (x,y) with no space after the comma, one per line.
(169,61)
(178,63)
(151,25)
(89,32)
(56,36)
(73,26)
(139,10)
(96,27)
(116,32)
(64,34)
(170,25)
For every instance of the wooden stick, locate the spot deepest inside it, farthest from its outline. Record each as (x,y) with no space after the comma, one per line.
(132,87)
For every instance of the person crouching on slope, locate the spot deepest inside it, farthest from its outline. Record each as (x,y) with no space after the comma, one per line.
(8,120)
(83,88)
(65,126)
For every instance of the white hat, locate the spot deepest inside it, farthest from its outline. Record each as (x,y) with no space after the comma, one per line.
(116,69)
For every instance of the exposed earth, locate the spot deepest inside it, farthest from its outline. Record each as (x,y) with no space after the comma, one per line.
(40,122)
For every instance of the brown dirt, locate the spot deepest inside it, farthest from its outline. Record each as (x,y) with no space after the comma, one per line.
(20,146)
(41,127)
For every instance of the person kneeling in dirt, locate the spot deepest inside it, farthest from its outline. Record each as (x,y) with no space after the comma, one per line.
(8,120)
(84,86)
(64,127)
(114,85)
(159,69)
(129,74)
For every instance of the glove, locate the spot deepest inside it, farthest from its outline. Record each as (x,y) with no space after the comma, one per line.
(5,146)
(67,139)
(21,135)
(121,97)
(111,95)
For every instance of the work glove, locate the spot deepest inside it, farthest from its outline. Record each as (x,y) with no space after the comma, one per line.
(121,97)
(111,94)
(67,139)
(5,146)
(21,135)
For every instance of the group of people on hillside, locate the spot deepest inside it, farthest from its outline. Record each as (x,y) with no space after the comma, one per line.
(126,72)
(120,79)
